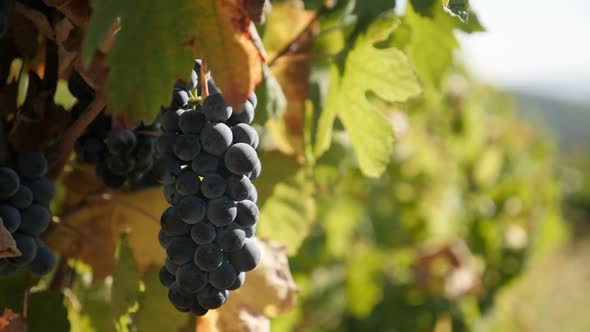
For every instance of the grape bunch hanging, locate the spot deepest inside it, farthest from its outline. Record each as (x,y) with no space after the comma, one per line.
(120,155)
(25,194)
(207,161)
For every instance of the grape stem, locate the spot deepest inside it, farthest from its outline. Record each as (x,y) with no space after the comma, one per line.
(59,154)
(203,78)
(287,48)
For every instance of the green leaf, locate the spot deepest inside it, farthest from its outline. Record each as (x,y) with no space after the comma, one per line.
(368,11)
(459,8)
(384,72)
(424,7)
(288,213)
(96,306)
(12,290)
(340,219)
(148,50)
(432,44)
(125,290)
(154,306)
(271,99)
(47,312)
(364,289)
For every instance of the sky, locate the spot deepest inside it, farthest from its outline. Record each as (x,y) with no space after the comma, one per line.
(538,45)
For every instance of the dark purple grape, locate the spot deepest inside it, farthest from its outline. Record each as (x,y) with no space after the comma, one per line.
(240,159)
(247,258)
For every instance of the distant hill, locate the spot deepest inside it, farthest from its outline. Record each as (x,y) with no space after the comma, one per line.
(569,122)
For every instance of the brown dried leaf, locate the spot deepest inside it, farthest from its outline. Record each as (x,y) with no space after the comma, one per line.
(7,244)
(12,322)
(269,290)
(90,227)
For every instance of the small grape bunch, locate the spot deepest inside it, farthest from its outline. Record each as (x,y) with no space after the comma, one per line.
(25,195)
(207,161)
(120,155)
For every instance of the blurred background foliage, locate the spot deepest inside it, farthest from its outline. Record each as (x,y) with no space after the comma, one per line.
(464,230)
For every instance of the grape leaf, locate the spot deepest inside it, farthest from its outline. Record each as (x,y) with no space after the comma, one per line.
(385,72)
(271,99)
(7,244)
(222,36)
(12,289)
(96,305)
(364,289)
(288,213)
(47,312)
(148,50)
(90,231)
(432,43)
(125,290)
(154,304)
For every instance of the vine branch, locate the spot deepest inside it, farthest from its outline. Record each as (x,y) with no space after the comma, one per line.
(59,156)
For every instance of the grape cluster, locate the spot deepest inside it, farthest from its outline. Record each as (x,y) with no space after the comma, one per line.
(120,155)
(25,194)
(207,163)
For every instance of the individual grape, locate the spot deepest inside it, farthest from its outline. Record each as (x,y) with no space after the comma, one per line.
(223,277)
(203,233)
(23,197)
(208,257)
(27,246)
(108,178)
(9,182)
(190,278)
(43,190)
(170,266)
(204,164)
(211,298)
(244,133)
(230,239)
(31,165)
(120,165)
(165,144)
(171,195)
(246,115)
(89,149)
(247,213)
(172,225)
(239,187)
(10,217)
(253,99)
(240,159)
(192,122)
(213,186)
(250,231)
(166,170)
(180,98)
(221,211)
(215,108)
(247,258)
(253,196)
(169,121)
(179,298)
(216,138)
(164,239)
(44,260)
(240,280)
(188,183)
(197,310)
(35,220)
(121,141)
(186,147)
(191,209)
(257,170)
(181,250)
(166,278)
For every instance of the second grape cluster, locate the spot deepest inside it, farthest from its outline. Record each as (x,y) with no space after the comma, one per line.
(207,161)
